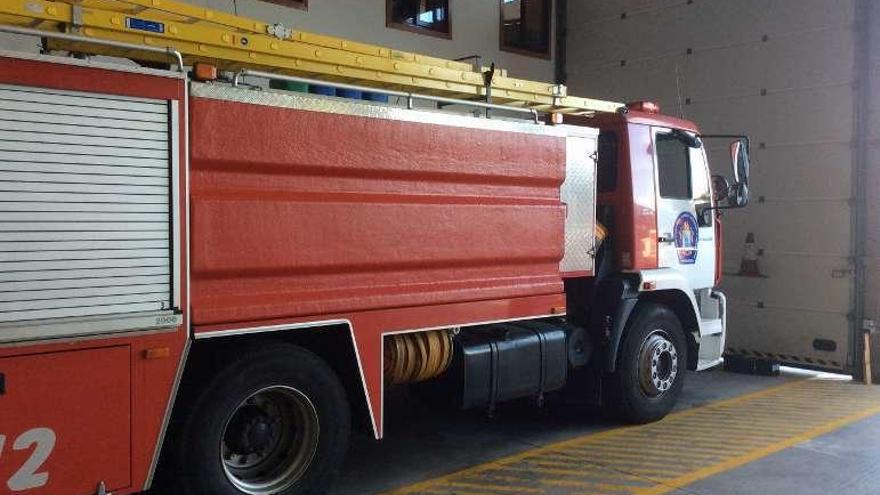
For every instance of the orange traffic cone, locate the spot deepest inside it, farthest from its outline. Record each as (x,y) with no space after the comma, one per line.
(749,266)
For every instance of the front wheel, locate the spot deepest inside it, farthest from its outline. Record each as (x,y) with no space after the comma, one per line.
(650,367)
(273,422)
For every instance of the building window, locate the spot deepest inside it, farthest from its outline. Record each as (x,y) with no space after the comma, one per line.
(297,4)
(525,26)
(420,16)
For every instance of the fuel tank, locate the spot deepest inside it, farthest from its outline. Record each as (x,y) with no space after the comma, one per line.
(504,362)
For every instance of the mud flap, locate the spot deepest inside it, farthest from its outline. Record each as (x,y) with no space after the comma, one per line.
(613,304)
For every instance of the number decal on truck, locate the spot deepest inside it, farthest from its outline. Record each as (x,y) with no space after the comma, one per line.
(27,477)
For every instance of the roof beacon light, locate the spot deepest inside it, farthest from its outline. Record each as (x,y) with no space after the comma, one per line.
(643,106)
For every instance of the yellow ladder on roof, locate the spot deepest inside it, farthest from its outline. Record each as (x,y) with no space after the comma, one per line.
(234,43)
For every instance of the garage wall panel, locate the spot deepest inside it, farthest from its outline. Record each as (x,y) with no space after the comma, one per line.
(820,170)
(872,230)
(781,71)
(654,28)
(791,347)
(772,290)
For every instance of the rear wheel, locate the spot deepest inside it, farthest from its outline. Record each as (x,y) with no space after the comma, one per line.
(274,422)
(650,367)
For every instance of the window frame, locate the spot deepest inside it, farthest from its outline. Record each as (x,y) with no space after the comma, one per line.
(523,51)
(392,24)
(667,134)
(293,4)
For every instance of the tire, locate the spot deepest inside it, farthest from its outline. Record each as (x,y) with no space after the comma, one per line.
(650,367)
(275,421)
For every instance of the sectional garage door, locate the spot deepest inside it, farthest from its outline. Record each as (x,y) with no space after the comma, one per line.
(85,214)
(782,72)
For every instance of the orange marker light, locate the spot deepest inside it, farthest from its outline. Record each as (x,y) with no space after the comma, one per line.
(643,106)
(204,72)
(649,285)
(157,353)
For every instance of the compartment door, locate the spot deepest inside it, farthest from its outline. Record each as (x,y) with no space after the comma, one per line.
(86,215)
(65,422)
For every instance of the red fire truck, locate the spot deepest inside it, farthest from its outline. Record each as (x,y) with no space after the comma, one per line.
(205,282)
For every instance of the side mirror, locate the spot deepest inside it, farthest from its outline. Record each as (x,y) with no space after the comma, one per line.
(739,157)
(739,195)
(720,188)
(735,195)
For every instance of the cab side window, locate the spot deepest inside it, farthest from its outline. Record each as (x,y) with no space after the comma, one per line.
(673,167)
(606,180)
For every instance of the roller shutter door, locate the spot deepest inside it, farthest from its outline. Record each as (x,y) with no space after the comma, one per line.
(84,205)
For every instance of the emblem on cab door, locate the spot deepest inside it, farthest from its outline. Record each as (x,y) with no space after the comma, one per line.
(687,237)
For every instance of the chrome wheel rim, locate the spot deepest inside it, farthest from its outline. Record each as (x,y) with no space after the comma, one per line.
(658,364)
(269,440)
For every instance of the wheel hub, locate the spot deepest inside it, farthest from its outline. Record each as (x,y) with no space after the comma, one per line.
(658,364)
(250,431)
(269,441)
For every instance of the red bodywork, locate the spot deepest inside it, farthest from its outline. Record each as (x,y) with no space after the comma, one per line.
(385,224)
(296,217)
(323,213)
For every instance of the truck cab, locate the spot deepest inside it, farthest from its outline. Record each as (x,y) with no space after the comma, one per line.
(662,211)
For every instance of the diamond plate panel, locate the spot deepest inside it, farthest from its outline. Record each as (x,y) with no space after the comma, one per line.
(579,194)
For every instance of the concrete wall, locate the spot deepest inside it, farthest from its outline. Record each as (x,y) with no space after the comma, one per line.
(781,71)
(475,29)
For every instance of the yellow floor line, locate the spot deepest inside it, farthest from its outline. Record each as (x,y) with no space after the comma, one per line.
(493,488)
(592,486)
(664,447)
(597,472)
(635,459)
(757,454)
(662,450)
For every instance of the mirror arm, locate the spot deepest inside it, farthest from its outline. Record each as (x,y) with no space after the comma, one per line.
(743,137)
(723,208)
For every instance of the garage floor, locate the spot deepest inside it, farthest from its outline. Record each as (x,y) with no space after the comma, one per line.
(812,433)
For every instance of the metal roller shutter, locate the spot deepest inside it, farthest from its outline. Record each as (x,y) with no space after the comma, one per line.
(85,209)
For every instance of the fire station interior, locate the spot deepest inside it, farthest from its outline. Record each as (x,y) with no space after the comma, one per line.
(679,294)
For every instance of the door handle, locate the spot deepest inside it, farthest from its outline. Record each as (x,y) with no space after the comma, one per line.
(2,383)
(666,239)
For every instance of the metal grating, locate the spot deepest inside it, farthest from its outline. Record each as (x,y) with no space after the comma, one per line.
(84,204)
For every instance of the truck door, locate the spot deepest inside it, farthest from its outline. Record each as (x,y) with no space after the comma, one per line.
(65,423)
(686,240)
